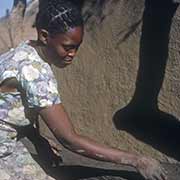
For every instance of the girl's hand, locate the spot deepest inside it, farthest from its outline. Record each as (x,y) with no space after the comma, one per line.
(151,169)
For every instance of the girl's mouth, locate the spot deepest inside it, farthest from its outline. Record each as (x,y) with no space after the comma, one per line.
(68,60)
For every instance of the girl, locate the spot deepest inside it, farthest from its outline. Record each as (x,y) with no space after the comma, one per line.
(28,89)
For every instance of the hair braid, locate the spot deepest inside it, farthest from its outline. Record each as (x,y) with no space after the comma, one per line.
(58,16)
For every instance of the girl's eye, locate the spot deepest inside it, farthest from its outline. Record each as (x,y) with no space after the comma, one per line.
(68,48)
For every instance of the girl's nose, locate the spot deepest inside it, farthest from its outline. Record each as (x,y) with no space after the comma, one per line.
(72,52)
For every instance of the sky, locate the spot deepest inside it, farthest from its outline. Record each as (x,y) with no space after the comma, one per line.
(5,4)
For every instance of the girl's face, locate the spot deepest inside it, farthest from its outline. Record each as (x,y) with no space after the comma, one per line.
(63,47)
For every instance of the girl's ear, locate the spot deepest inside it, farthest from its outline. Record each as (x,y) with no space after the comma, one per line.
(43,36)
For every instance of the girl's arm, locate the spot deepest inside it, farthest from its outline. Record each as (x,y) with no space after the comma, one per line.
(57,120)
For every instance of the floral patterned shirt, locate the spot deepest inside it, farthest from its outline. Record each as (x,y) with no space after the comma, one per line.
(37,82)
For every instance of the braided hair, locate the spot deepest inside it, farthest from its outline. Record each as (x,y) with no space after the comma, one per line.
(58,16)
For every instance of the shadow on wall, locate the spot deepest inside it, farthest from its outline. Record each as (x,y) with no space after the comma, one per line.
(141,117)
(93,8)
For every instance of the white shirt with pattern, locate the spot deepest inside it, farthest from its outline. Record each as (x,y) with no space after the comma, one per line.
(38,88)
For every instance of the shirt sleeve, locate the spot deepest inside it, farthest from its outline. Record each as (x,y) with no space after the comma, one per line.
(39,84)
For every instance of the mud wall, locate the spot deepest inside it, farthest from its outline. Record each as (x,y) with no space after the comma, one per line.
(123,87)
